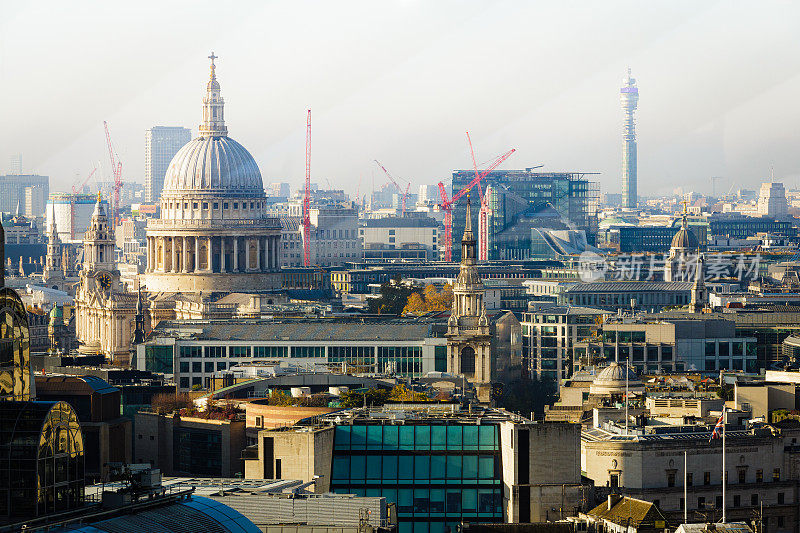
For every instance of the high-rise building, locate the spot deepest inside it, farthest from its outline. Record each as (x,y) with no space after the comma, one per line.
(522,200)
(629,98)
(161,145)
(772,200)
(13,192)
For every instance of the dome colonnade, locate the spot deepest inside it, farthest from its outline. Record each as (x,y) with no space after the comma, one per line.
(213,233)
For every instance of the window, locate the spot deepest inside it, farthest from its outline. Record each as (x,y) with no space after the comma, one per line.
(239,351)
(737,500)
(614,481)
(184,383)
(776,474)
(689,479)
(216,205)
(759,476)
(742,473)
(701,502)
(209,366)
(184,367)
(205,205)
(781,498)
(670,479)
(214,351)
(718,502)
(706,478)
(197,367)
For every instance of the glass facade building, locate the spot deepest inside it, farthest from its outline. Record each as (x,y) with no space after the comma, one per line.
(437,474)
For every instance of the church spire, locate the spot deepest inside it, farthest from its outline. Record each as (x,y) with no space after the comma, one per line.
(213,107)
(468,245)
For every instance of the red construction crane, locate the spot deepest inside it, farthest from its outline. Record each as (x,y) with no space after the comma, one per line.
(399,190)
(307,198)
(116,169)
(75,190)
(483,214)
(447,204)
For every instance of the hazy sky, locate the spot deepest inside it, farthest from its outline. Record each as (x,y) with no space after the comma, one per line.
(401,81)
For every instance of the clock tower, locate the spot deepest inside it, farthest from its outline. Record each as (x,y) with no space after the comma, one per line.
(104,313)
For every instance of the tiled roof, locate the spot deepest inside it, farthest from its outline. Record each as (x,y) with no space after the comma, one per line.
(629,511)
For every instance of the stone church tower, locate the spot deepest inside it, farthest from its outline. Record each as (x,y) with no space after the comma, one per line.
(53,274)
(468,332)
(104,312)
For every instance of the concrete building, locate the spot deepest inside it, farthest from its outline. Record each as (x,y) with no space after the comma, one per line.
(772,200)
(649,465)
(674,345)
(187,445)
(441,466)
(614,295)
(334,235)
(193,351)
(399,232)
(161,143)
(629,98)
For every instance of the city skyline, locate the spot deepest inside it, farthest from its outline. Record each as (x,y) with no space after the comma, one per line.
(553,95)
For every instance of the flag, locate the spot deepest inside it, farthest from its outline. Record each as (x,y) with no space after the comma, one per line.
(717,433)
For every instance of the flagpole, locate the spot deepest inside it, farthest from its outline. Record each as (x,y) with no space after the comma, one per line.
(724,472)
(627,360)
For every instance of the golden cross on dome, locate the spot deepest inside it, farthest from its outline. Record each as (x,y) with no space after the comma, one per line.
(685,203)
(212,57)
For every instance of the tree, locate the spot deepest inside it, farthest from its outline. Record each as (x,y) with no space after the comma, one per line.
(401,393)
(526,395)
(429,301)
(393,298)
(371,397)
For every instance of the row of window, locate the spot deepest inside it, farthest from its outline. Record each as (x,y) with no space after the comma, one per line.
(741,477)
(418,469)
(417,438)
(215,205)
(335,353)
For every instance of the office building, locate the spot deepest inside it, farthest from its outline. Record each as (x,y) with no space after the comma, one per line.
(614,295)
(442,465)
(550,337)
(13,192)
(629,98)
(736,226)
(772,200)
(194,351)
(668,345)
(396,233)
(161,143)
(522,200)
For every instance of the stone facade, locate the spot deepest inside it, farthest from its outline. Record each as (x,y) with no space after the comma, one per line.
(104,313)
(468,332)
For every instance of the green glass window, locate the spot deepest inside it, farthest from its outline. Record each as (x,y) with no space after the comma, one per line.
(486,468)
(342,437)
(405,467)
(711,349)
(438,437)
(454,437)
(488,440)
(341,468)
(422,468)
(374,437)
(357,468)
(358,437)
(406,437)
(373,467)
(389,468)
(438,465)
(453,467)
(470,468)
(390,436)
(423,437)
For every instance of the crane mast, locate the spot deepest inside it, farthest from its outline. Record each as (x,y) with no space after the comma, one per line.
(307,198)
(116,169)
(447,203)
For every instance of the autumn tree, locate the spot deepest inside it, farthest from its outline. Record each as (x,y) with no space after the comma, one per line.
(394,297)
(431,300)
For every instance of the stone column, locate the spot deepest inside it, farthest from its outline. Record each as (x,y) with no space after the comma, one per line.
(196,253)
(236,254)
(258,253)
(173,255)
(184,255)
(222,254)
(210,255)
(277,249)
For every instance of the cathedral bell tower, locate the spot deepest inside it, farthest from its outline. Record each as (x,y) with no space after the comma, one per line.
(468,335)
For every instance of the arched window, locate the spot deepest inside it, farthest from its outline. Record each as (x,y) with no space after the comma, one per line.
(467,360)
